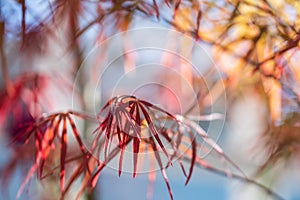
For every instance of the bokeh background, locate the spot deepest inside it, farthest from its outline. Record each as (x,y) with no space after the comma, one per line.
(235,58)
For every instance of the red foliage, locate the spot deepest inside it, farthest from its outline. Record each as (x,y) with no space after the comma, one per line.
(130,120)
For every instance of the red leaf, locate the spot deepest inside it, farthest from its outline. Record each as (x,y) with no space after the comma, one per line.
(194,154)
(106,105)
(27,178)
(157,108)
(153,129)
(76,134)
(123,146)
(158,159)
(136,146)
(63,154)
(136,141)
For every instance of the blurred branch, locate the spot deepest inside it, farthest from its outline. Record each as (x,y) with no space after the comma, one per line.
(241,178)
(23,3)
(290,45)
(5,74)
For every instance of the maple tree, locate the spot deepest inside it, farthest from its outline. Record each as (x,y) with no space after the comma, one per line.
(255,43)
